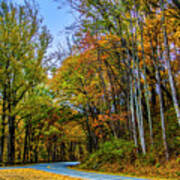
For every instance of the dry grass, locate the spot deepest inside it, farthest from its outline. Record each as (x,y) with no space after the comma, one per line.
(31,174)
(167,171)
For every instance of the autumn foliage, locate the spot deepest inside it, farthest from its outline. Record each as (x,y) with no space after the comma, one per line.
(115,93)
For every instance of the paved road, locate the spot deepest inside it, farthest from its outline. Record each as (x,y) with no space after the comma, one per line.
(62,168)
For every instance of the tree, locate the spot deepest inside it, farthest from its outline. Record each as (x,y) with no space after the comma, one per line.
(23,46)
(168,61)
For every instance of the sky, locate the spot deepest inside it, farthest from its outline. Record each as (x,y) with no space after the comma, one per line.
(55,19)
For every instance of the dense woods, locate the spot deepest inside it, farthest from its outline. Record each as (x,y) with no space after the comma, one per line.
(116,94)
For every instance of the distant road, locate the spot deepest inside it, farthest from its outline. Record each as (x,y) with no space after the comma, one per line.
(62,168)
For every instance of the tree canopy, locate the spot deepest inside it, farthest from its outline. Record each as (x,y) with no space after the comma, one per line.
(116,93)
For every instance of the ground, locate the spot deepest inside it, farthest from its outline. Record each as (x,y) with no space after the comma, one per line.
(62,170)
(31,174)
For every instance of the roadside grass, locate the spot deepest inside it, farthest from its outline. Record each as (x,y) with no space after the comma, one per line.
(31,174)
(145,172)
(119,157)
(118,174)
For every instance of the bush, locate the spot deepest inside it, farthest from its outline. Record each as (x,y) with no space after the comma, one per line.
(116,150)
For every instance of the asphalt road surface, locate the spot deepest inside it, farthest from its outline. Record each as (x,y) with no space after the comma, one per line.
(62,168)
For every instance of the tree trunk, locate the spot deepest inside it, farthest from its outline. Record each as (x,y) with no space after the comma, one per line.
(132,113)
(11,143)
(138,95)
(168,64)
(145,82)
(162,117)
(11,127)
(3,124)
(92,143)
(155,54)
(63,153)
(25,145)
(36,150)
(108,104)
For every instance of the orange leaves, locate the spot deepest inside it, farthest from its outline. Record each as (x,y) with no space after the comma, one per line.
(104,56)
(142,80)
(90,72)
(104,118)
(119,117)
(101,125)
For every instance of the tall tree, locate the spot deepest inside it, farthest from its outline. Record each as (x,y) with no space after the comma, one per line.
(23,45)
(168,60)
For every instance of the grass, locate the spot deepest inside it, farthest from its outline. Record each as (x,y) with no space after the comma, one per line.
(169,171)
(118,156)
(31,174)
(123,175)
(119,174)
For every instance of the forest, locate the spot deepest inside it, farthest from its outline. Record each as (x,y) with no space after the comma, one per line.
(113,103)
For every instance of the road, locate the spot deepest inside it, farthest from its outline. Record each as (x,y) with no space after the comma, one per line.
(62,168)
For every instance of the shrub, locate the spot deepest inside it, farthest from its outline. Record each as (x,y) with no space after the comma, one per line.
(116,150)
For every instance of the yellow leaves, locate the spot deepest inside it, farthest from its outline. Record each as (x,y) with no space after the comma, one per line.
(162,73)
(29,174)
(113,37)
(74,112)
(73,131)
(178,81)
(102,117)
(5,35)
(141,64)
(102,41)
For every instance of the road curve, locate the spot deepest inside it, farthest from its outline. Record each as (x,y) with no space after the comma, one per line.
(62,168)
